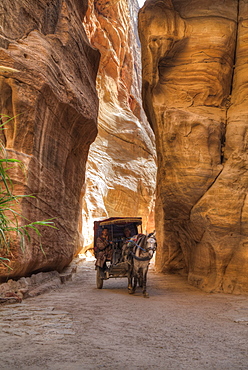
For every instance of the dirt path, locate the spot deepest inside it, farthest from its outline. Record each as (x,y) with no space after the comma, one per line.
(81,327)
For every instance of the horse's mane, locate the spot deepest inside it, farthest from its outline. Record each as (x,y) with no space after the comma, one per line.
(141,241)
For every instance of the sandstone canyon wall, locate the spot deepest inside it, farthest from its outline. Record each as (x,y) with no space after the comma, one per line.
(47,82)
(195,92)
(121,170)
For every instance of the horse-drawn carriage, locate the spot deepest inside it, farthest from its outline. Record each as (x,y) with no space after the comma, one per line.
(121,250)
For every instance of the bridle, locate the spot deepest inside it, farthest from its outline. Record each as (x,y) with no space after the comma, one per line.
(154,247)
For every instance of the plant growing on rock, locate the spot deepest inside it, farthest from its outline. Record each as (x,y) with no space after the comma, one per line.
(9,216)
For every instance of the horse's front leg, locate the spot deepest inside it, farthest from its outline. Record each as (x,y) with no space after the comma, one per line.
(145,294)
(135,280)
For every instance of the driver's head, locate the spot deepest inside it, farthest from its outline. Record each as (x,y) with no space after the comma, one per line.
(105,233)
(127,232)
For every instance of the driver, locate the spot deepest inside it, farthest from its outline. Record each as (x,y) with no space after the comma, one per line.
(125,248)
(127,233)
(104,249)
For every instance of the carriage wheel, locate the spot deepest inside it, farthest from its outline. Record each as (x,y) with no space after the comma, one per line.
(99,280)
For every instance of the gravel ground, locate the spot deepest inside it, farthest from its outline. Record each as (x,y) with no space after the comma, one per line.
(80,327)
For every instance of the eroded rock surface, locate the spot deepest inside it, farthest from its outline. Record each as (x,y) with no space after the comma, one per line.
(195,95)
(49,86)
(121,170)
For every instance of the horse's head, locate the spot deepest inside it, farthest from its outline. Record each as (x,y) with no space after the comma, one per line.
(151,244)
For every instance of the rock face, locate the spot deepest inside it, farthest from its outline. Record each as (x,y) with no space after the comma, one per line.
(195,95)
(47,81)
(121,170)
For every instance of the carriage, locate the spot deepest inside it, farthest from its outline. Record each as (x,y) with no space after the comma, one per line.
(123,255)
(117,267)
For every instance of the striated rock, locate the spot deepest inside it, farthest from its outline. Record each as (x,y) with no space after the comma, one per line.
(47,82)
(197,107)
(121,169)
(14,291)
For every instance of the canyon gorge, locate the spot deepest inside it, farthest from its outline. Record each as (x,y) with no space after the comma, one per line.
(57,118)
(70,75)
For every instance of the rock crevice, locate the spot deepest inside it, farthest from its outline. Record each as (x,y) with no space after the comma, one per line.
(121,169)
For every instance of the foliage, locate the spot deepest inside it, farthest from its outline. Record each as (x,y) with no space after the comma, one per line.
(9,217)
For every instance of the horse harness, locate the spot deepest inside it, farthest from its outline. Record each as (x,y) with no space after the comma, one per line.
(141,239)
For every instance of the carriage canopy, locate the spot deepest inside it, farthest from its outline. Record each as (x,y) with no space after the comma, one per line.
(116,226)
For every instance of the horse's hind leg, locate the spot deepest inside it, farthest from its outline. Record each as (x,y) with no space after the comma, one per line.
(145,294)
(130,278)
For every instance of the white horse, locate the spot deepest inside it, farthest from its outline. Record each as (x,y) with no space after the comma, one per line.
(141,250)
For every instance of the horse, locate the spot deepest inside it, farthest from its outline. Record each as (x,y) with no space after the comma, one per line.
(141,250)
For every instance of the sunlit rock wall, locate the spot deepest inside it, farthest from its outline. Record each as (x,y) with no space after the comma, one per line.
(51,93)
(121,170)
(195,73)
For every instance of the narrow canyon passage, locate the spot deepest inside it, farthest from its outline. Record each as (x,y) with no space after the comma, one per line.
(80,327)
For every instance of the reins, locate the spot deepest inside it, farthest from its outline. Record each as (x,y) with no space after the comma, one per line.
(137,245)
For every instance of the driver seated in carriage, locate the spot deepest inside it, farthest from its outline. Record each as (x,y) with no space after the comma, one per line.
(126,239)
(104,249)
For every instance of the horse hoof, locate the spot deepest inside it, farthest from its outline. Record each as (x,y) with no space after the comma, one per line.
(146,295)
